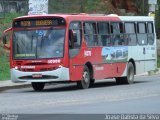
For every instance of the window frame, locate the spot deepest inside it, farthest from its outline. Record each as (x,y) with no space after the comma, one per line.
(107,34)
(95,32)
(81,32)
(139,33)
(135,32)
(148,33)
(121,32)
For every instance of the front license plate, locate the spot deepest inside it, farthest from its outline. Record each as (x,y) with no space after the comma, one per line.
(37,75)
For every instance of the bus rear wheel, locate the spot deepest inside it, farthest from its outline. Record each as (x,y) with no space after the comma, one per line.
(85,82)
(129,79)
(38,86)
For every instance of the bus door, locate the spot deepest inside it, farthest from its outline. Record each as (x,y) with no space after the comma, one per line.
(74,42)
(150,51)
(146,40)
(142,43)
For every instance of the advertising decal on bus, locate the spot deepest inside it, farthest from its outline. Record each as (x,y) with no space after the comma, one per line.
(114,54)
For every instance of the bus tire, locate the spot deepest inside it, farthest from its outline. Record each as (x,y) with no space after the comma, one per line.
(119,80)
(92,81)
(85,82)
(38,86)
(129,79)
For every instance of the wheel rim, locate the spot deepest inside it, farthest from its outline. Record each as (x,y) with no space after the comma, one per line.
(86,77)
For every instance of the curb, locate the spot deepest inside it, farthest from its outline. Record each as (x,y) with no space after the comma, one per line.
(154,72)
(3,88)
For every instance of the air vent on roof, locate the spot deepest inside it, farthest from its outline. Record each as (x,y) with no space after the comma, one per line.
(112,15)
(83,14)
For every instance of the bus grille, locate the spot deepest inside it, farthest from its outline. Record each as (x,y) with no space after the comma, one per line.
(43,77)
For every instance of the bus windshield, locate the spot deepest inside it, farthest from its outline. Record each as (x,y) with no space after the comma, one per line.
(37,44)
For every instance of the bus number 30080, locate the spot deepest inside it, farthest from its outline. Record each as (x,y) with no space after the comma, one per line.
(54,61)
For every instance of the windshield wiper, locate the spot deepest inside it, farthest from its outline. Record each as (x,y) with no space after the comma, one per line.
(32,43)
(36,47)
(42,38)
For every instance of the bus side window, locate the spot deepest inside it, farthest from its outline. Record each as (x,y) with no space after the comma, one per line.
(117,33)
(90,33)
(150,33)
(142,33)
(130,33)
(103,34)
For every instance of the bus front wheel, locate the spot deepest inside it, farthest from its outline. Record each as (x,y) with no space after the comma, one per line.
(85,82)
(38,86)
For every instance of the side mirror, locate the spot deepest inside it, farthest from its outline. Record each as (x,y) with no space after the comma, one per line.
(4,40)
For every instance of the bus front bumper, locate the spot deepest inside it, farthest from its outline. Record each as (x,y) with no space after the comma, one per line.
(60,74)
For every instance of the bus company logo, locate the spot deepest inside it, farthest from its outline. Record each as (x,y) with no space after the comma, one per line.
(27,67)
(99,68)
(87,53)
(54,61)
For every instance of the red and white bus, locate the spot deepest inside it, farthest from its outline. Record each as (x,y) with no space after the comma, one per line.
(81,48)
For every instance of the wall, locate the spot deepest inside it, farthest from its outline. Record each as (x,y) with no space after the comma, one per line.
(11,6)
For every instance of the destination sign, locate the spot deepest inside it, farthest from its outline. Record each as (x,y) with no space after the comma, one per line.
(39,22)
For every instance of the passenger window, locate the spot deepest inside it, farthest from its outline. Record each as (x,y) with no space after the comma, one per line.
(142,35)
(150,34)
(130,34)
(75,35)
(90,33)
(117,33)
(103,34)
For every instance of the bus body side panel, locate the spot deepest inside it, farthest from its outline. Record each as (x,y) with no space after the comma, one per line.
(107,62)
(109,70)
(136,53)
(76,72)
(144,57)
(115,58)
(150,57)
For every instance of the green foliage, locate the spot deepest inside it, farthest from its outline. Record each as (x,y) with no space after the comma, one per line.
(157,20)
(9,17)
(6,22)
(4,57)
(73,6)
(90,5)
(64,6)
(4,65)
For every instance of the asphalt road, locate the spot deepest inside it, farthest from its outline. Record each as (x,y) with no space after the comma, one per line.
(105,97)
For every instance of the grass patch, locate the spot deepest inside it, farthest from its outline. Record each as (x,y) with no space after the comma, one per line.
(4,65)
(4,56)
(7,21)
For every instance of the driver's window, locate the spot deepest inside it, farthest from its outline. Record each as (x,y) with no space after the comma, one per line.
(75,35)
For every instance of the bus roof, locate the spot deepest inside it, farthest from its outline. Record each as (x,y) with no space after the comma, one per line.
(136,18)
(88,17)
(82,16)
